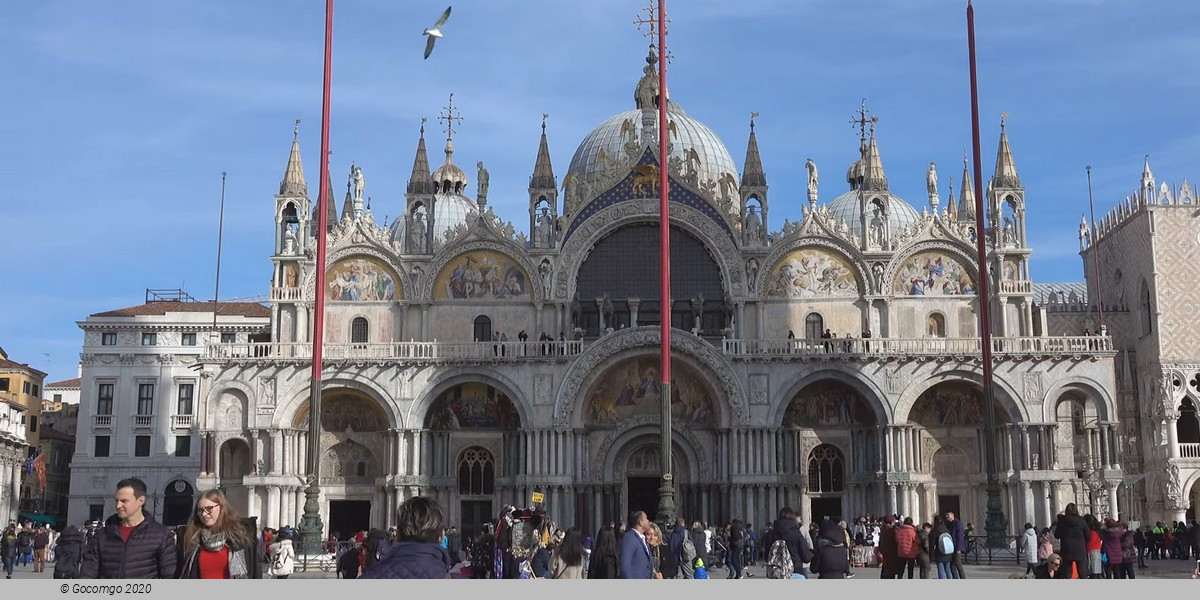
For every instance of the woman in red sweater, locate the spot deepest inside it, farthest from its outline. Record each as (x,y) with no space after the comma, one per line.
(1094,544)
(217,544)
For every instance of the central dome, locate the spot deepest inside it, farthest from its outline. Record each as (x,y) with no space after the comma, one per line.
(848,207)
(688,133)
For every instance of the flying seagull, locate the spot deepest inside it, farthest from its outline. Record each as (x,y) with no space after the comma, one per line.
(435,32)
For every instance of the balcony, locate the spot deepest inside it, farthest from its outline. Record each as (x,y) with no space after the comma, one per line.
(1189,450)
(143,421)
(182,421)
(102,421)
(868,349)
(287,294)
(1023,286)
(407,352)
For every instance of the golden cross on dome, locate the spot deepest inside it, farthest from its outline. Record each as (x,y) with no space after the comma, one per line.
(451,118)
(650,19)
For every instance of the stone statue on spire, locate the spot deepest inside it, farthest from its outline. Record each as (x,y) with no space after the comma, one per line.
(360,183)
(482,183)
(812,180)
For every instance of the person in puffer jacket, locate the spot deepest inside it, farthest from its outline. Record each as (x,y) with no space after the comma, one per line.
(1110,540)
(131,545)
(1029,547)
(68,554)
(830,558)
(907,548)
(418,552)
(1129,553)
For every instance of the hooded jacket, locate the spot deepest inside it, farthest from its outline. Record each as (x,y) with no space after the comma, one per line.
(149,553)
(1029,545)
(68,554)
(412,560)
(1072,530)
(831,556)
(789,531)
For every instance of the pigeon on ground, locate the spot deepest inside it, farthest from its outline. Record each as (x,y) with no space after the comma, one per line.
(435,32)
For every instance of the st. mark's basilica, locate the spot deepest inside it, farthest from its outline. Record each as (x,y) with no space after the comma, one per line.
(831,365)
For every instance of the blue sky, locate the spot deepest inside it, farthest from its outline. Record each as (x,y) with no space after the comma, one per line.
(122,116)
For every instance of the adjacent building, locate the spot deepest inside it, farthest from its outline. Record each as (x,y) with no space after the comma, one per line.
(140,388)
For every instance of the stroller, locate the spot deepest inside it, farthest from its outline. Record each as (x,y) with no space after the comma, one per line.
(720,551)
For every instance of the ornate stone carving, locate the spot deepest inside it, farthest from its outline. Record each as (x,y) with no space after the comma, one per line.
(606,443)
(87,359)
(648,337)
(97,481)
(127,359)
(1033,387)
(759,389)
(896,380)
(266,395)
(542,385)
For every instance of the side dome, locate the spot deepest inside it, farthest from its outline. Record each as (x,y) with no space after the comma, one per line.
(848,208)
(449,211)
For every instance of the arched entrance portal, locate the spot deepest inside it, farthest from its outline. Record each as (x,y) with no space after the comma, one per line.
(353,451)
(233,465)
(953,475)
(474,429)
(834,445)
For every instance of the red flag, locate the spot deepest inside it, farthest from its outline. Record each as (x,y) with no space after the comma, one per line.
(39,465)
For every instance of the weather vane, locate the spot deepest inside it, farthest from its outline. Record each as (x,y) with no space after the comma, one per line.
(652,21)
(544,117)
(862,120)
(1003,117)
(753,116)
(452,117)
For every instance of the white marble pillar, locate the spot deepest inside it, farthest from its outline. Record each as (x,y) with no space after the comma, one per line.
(424,323)
(931,504)
(1172,438)
(759,321)
(891,490)
(276,451)
(1113,510)
(272,517)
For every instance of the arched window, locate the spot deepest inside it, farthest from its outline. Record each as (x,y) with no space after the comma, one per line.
(937,325)
(814,326)
(476,472)
(826,469)
(483,329)
(1147,317)
(1187,427)
(359,330)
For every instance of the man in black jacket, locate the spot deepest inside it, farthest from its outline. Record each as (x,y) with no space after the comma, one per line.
(131,545)
(786,528)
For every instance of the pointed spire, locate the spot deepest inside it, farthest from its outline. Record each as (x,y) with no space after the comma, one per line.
(330,206)
(752,172)
(1005,175)
(293,183)
(874,178)
(1147,180)
(543,171)
(951,207)
(966,203)
(348,203)
(420,182)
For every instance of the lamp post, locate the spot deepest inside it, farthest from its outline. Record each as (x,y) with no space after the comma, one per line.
(311,528)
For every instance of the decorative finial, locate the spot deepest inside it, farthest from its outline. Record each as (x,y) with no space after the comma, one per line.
(1003,117)
(964,158)
(452,117)
(753,116)
(864,120)
(544,117)
(296,131)
(423,119)
(650,19)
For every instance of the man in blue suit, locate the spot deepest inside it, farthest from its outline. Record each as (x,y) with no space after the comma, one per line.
(635,554)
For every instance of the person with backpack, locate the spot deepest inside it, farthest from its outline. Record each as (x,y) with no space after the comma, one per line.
(737,550)
(283,556)
(785,529)
(907,548)
(941,548)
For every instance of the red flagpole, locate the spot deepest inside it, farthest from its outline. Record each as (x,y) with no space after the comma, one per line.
(666,506)
(311,527)
(994,526)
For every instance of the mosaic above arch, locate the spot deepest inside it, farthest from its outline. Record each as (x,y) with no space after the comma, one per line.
(632,388)
(362,279)
(933,274)
(472,406)
(811,272)
(482,274)
(953,403)
(827,403)
(343,410)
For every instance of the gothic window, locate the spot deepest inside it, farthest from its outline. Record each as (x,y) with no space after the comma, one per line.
(483,328)
(359,330)
(826,469)
(1147,318)
(936,326)
(476,472)
(814,326)
(1187,427)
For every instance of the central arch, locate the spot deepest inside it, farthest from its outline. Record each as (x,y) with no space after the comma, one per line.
(866,390)
(1003,392)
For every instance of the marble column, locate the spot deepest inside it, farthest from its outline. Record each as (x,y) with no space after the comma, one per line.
(1113,511)
(892,508)
(272,517)
(252,505)
(276,451)
(1046,512)
(932,504)
(1172,437)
